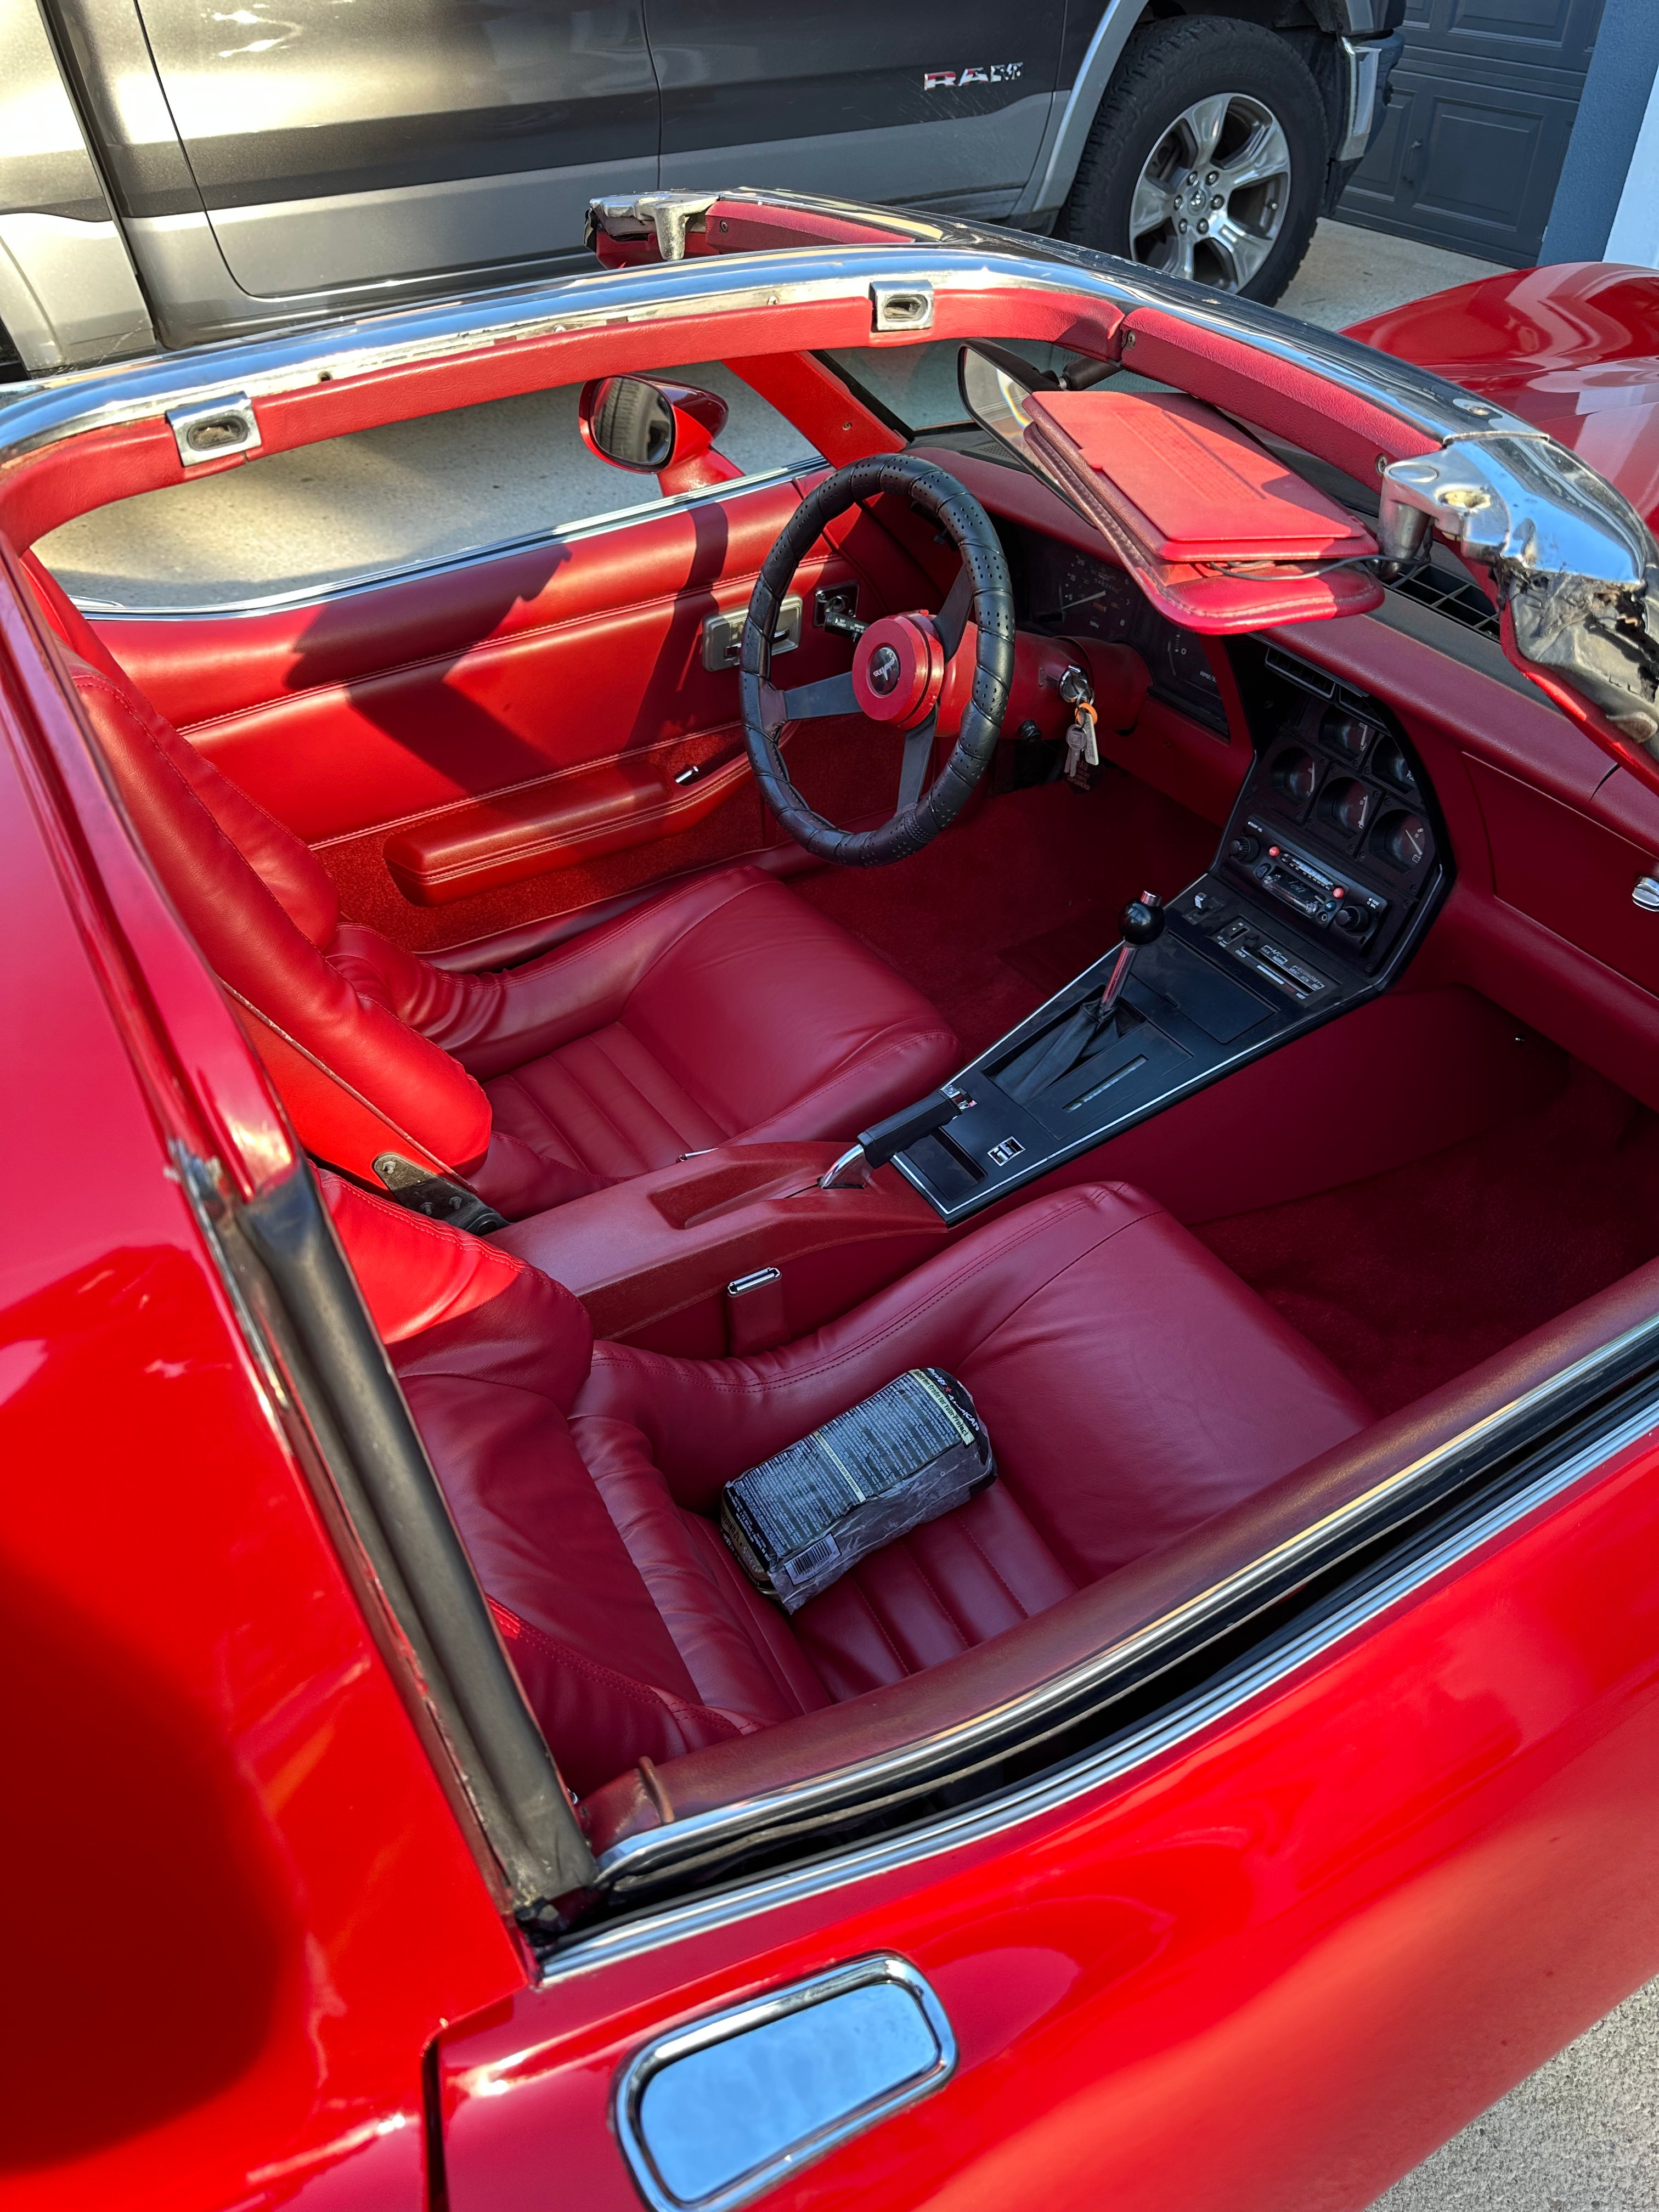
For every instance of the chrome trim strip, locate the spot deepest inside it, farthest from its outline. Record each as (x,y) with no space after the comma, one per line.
(787,2002)
(566,533)
(580,1952)
(965,257)
(1364,61)
(1235,1591)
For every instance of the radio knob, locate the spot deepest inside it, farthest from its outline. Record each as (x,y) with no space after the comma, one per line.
(1353,919)
(1245,847)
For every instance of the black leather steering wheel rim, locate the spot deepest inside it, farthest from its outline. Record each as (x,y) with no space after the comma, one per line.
(937,495)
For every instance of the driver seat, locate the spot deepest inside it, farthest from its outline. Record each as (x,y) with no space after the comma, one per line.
(724,1009)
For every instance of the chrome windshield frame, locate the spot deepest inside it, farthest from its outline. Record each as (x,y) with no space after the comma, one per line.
(1568,553)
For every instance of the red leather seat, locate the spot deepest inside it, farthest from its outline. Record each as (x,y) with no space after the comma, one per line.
(1132,1388)
(723,1008)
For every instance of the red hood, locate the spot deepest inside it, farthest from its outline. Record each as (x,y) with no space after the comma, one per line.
(1574,348)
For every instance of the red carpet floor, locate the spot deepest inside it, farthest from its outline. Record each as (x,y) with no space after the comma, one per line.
(1405,1281)
(993,917)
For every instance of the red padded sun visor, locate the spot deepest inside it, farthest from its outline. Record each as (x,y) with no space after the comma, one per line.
(1216,529)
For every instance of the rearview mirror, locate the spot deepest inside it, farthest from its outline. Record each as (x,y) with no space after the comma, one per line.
(664,430)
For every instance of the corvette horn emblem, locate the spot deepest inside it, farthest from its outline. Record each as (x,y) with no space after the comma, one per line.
(992,73)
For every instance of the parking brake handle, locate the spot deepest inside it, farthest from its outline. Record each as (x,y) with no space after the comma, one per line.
(877,1144)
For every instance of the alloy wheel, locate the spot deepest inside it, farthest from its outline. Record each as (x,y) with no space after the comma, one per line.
(1212,195)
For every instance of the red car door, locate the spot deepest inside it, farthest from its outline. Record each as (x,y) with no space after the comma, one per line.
(515,735)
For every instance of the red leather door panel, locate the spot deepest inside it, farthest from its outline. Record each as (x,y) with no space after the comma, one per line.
(520,721)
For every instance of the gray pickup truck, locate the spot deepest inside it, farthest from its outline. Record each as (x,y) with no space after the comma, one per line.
(177,170)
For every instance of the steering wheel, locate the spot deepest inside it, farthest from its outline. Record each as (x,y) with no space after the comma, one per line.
(901,668)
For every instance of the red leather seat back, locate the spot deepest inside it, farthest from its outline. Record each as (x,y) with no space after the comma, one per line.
(265,912)
(722,1008)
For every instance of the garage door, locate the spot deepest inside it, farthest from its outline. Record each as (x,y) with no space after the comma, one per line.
(1481,107)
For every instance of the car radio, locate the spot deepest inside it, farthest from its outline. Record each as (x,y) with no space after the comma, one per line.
(1309,886)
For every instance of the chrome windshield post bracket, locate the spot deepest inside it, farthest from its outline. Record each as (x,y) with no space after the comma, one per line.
(1575,565)
(632,215)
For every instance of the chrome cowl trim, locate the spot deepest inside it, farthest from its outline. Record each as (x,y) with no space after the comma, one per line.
(1574,563)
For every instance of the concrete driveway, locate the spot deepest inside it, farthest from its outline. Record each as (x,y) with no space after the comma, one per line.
(1583,2134)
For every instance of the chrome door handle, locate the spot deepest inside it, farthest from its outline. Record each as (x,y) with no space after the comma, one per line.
(711,2114)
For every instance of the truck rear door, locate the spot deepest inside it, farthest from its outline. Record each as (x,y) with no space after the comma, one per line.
(334,145)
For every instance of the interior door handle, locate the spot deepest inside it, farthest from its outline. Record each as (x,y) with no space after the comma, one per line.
(722,635)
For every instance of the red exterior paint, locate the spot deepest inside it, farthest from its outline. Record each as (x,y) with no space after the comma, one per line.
(1574,348)
(1274,1970)
(238,1902)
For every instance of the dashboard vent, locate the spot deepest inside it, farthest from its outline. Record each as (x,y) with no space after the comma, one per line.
(1460,598)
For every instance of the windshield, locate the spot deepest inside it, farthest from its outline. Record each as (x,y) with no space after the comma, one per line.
(916,384)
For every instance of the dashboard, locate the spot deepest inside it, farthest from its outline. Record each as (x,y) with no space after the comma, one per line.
(1057,589)
(1332,862)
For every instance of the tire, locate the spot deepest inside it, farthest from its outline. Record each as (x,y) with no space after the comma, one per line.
(1137,192)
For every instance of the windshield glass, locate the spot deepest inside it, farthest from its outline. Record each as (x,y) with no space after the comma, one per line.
(916,384)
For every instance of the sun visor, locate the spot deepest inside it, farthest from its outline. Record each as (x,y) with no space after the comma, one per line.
(1217,532)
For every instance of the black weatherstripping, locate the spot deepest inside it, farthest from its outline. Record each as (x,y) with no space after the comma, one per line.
(314,1315)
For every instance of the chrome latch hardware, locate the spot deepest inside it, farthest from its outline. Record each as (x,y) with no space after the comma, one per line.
(722,635)
(1645,894)
(901,307)
(209,429)
(670,213)
(722,2110)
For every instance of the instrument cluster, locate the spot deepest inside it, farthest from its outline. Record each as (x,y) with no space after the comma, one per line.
(1058,589)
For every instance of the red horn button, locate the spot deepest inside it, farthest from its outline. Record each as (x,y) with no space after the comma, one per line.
(898,671)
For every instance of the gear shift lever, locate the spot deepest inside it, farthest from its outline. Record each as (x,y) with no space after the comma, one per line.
(1142,923)
(1087,1024)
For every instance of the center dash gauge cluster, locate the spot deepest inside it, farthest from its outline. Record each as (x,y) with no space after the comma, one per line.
(1333,825)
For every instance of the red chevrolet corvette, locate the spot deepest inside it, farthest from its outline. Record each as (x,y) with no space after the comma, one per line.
(831,1369)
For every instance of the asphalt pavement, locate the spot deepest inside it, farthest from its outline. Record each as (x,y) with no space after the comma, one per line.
(1582,2135)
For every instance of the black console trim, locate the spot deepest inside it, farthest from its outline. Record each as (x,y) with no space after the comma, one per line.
(1316,900)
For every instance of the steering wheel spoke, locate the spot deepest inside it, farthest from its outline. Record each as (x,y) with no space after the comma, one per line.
(809,702)
(918,754)
(951,619)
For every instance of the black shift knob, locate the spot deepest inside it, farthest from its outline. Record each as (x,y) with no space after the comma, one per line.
(1143,920)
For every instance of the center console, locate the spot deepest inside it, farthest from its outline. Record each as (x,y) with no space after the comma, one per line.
(1330,867)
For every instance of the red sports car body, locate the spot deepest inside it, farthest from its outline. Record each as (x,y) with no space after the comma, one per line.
(486,1072)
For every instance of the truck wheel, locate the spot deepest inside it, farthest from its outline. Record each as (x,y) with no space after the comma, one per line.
(1207,158)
